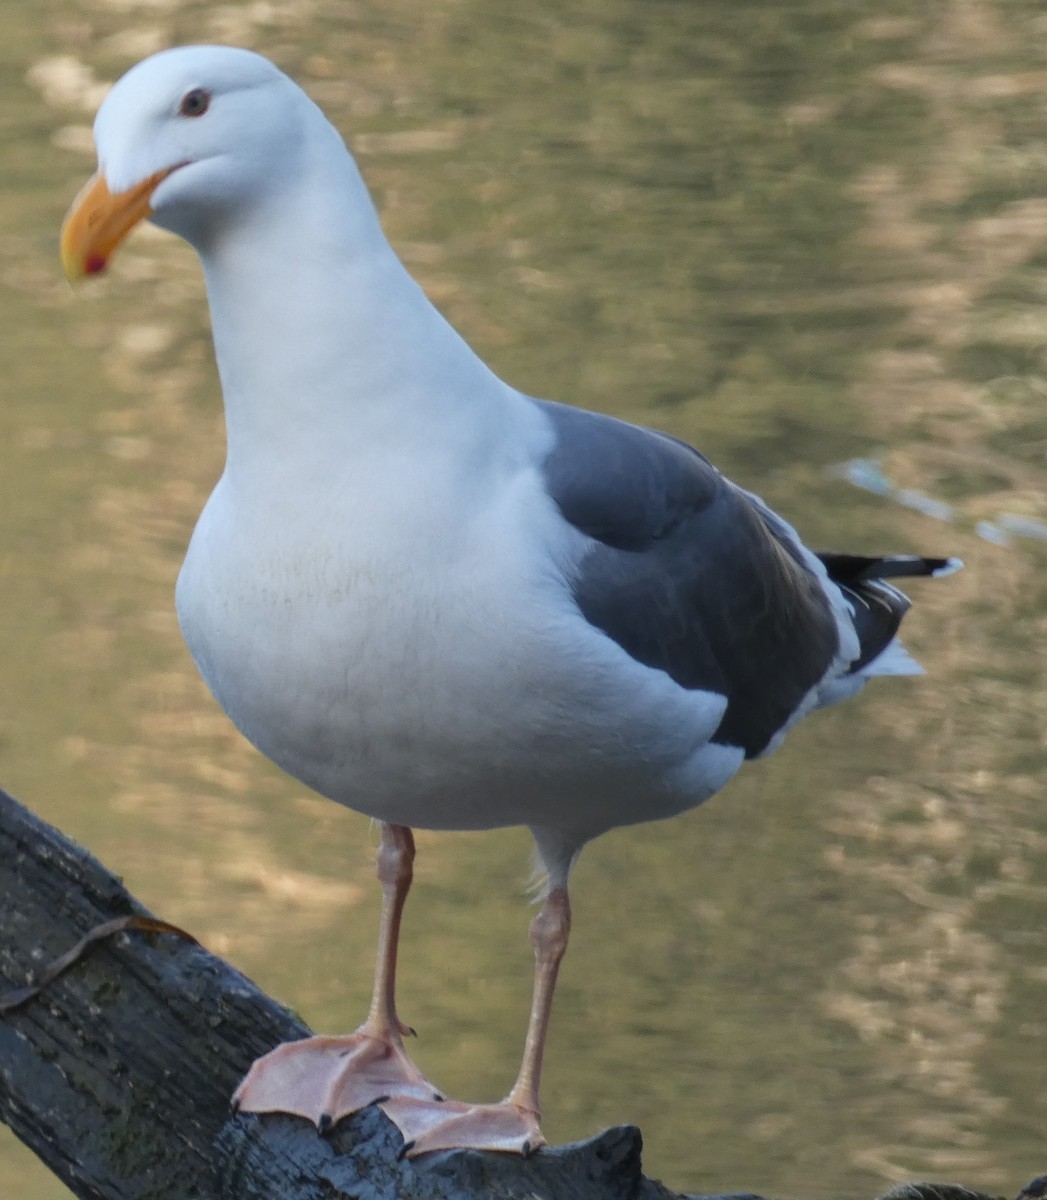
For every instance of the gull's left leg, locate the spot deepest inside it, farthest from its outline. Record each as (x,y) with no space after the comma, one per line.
(511,1125)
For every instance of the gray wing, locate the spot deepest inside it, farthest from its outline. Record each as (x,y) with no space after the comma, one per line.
(687,574)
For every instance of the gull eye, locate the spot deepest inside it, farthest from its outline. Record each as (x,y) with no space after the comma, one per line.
(195,103)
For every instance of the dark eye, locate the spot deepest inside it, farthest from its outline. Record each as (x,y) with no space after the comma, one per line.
(195,103)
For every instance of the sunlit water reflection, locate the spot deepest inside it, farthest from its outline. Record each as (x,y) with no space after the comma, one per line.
(799,236)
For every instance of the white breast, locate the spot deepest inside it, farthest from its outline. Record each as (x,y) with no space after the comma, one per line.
(420,659)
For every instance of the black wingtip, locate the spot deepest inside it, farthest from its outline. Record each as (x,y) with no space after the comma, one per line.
(859,568)
(946,566)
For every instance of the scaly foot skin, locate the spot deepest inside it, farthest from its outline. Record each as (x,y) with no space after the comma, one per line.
(454,1125)
(326,1078)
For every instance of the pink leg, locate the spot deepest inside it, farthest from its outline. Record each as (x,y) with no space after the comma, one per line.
(513,1124)
(395,873)
(549,933)
(326,1078)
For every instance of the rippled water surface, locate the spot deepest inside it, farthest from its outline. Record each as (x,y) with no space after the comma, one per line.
(811,238)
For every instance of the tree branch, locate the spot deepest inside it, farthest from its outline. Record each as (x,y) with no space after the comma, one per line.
(118,1073)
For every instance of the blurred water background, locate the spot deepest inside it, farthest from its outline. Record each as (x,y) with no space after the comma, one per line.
(812,239)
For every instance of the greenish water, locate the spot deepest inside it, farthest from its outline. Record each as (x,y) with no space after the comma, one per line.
(797,235)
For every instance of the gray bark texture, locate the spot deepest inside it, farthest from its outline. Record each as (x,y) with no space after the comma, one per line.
(118,1073)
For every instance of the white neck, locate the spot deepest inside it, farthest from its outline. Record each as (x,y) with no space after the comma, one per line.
(320,333)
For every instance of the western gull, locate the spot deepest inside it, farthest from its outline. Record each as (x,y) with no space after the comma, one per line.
(431,597)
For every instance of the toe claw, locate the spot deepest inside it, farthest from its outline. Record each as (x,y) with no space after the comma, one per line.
(405,1149)
(324,1124)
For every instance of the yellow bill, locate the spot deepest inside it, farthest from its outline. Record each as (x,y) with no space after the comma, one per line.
(98,221)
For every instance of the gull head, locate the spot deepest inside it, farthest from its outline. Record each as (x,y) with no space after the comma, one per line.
(190,139)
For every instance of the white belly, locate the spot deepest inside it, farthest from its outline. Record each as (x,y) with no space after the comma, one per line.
(434,677)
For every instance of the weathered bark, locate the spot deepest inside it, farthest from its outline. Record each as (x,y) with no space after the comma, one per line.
(118,1074)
